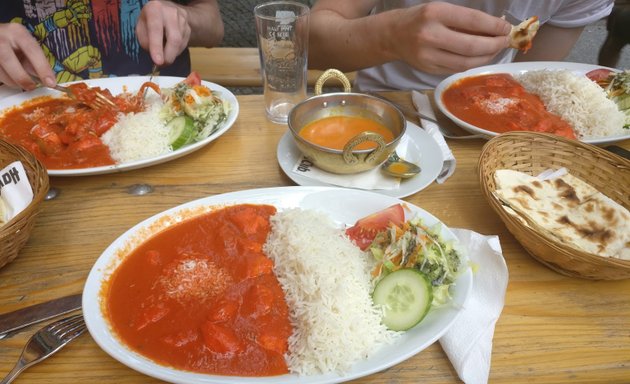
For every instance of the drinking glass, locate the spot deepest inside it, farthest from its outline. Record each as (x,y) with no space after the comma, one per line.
(282,30)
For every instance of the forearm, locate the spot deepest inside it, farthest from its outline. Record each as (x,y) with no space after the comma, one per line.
(435,37)
(351,44)
(205,22)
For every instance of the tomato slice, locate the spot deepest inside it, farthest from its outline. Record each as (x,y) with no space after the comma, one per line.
(362,233)
(193,79)
(598,75)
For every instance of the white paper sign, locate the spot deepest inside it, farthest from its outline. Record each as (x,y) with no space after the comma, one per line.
(15,190)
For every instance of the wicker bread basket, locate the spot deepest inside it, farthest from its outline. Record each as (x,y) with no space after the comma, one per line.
(15,233)
(533,153)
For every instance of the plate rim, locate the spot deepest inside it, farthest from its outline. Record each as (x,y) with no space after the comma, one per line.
(16,99)
(412,186)
(103,334)
(512,68)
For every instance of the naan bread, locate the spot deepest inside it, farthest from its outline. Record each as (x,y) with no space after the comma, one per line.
(568,209)
(521,35)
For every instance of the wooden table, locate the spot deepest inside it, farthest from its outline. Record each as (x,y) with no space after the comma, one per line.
(236,66)
(552,329)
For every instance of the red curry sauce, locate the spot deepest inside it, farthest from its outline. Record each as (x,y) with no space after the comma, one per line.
(499,103)
(202,296)
(64,133)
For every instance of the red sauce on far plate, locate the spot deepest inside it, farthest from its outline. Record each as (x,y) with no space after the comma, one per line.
(202,296)
(499,103)
(64,133)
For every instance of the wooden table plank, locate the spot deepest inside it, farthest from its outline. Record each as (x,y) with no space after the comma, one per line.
(553,328)
(238,67)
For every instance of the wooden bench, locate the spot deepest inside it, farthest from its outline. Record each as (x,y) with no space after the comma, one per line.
(236,67)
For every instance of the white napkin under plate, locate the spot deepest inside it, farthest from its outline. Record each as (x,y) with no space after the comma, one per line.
(15,191)
(468,343)
(423,105)
(368,180)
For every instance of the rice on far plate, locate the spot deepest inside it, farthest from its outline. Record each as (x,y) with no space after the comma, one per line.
(589,108)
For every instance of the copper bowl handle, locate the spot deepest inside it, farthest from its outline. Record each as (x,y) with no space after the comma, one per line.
(362,137)
(332,74)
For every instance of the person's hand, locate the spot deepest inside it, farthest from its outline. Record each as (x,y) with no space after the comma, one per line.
(443,38)
(20,56)
(163,29)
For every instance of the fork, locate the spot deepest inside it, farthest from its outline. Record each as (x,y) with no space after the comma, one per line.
(154,71)
(99,102)
(46,342)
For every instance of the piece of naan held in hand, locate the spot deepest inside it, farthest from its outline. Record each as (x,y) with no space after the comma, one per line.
(521,35)
(568,209)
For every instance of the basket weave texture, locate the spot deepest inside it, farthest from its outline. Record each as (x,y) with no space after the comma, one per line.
(533,153)
(15,233)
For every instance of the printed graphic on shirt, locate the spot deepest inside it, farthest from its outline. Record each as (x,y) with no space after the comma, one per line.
(86,39)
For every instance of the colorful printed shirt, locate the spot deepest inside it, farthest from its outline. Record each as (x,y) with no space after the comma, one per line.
(88,38)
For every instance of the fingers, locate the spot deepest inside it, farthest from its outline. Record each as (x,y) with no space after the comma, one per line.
(473,21)
(20,55)
(177,34)
(163,30)
(446,38)
(467,44)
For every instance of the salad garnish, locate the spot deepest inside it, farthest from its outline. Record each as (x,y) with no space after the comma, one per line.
(199,105)
(617,88)
(414,245)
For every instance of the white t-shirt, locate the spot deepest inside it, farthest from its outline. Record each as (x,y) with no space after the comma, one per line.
(559,13)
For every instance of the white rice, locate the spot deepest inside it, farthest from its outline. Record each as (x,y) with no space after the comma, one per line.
(579,101)
(137,136)
(326,280)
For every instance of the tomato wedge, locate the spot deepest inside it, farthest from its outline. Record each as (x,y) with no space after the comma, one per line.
(598,75)
(362,233)
(193,79)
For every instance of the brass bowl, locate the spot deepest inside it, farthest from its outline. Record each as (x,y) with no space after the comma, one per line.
(348,160)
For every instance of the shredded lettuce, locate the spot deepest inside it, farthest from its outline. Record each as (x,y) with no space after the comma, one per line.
(617,87)
(414,245)
(204,106)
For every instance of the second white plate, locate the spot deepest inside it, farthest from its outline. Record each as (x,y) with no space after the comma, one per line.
(117,85)
(514,69)
(422,150)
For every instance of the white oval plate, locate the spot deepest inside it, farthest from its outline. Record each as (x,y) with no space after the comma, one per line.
(117,85)
(344,206)
(516,69)
(423,150)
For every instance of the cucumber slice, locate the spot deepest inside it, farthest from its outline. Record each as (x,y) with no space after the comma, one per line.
(182,131)
(406,295)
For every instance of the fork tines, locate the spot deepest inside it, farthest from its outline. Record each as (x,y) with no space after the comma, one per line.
(69,327)
(100,99)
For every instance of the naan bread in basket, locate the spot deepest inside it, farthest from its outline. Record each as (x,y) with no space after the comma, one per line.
(568,209)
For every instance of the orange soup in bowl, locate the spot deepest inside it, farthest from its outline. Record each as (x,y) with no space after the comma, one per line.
(335,131)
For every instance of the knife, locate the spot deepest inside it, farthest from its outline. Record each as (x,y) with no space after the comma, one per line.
(618,151)
(21,318)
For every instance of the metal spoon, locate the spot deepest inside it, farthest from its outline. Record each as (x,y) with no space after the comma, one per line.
(397,167)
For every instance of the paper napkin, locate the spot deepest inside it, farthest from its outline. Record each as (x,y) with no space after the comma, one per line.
(468,343)
(15,191)
(423,105)
(368,180)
